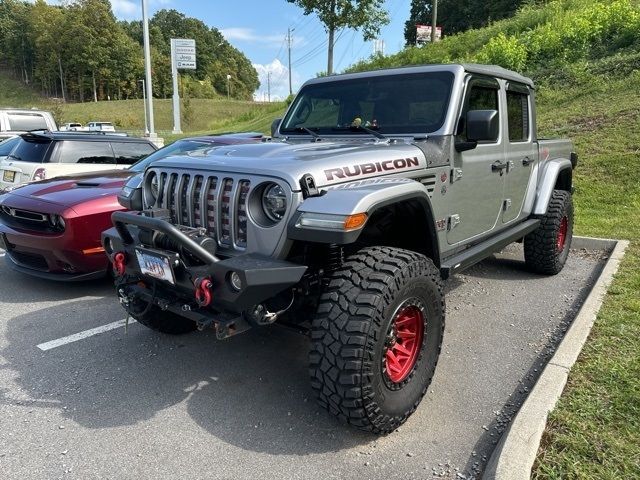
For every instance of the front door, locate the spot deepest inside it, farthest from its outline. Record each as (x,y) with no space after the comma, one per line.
(477,197)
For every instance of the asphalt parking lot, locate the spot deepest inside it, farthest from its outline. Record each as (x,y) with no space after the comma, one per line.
(143,405)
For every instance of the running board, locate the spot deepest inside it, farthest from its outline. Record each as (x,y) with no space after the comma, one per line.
(482,250)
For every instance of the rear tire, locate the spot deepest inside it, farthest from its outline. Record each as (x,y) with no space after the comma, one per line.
(376,337)
(546,249)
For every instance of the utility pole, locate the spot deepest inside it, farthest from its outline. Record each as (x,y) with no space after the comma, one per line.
(289,30)
(269,85)
(434,20)
(147,68)
(144,98)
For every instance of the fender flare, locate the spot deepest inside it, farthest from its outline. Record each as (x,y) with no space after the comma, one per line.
(361,197)
(549,177)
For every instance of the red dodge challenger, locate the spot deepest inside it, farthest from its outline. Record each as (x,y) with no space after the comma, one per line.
(51,229)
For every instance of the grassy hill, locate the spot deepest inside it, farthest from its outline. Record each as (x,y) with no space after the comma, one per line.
(200,116)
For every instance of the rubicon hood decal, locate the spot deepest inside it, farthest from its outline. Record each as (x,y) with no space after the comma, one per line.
(368,168)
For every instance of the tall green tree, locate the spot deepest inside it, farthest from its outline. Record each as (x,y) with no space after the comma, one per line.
(367,16)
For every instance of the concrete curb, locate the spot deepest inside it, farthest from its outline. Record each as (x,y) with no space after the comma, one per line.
(516,452)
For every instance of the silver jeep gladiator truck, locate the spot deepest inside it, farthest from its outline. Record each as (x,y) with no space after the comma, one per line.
(375,187)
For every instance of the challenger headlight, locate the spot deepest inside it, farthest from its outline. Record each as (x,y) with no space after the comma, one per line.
(274,202)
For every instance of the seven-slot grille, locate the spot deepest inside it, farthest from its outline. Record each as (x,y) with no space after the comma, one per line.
(218,204)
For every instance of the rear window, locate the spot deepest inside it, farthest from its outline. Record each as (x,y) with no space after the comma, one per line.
(128,153)
(24,122)
(85,152)
(8,145)
(32,151)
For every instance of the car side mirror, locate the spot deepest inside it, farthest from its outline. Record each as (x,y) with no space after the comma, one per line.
(274,126)
(481,126)
(130,197)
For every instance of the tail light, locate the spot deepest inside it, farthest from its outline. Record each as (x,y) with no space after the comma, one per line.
(39,174)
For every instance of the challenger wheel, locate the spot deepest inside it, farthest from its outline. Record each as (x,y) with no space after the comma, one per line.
(546,249)
(376,337)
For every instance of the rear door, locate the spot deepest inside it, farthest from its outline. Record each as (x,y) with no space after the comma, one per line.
(476,198)
(520,150)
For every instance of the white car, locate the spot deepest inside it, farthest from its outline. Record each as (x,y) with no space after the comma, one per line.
(101,127)
(14,121)
(73,127)
(51,154)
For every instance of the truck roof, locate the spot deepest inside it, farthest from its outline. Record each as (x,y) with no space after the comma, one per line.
(490,70)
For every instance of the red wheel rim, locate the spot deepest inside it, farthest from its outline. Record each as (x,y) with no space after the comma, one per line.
(403,343)
(562,234)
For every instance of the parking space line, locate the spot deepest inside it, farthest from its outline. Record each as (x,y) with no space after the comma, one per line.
(81,335)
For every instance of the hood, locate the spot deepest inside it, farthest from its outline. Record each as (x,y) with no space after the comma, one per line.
(75,189)
(329,162)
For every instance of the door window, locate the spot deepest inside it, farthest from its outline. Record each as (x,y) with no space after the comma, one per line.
(518,116)
(128,153)
(86,152)
(32,150)
(481,97)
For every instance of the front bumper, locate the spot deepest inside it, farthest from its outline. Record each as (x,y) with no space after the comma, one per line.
(261,277)
(50,256)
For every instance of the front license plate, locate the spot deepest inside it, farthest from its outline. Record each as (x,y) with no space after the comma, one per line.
(155,265)
(8,176)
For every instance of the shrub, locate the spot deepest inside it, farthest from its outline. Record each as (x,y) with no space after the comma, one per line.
(505,51)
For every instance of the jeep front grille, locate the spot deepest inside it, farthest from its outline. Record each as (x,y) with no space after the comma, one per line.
(218,204)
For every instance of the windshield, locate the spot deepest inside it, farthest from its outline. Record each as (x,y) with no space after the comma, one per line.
(391,104)
(176,148)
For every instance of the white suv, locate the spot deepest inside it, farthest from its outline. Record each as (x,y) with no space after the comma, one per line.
(101,127)
(46,155)
(15,121)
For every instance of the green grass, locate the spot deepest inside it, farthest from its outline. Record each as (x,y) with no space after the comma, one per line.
(594,432)
(16,95)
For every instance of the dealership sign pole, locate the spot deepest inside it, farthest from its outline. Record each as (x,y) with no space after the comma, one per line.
(183,56)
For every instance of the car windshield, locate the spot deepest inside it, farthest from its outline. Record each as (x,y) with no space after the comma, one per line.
(389,104)
(176,148)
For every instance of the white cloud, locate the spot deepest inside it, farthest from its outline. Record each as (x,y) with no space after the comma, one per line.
(279,74)
(126,8)
(249,35)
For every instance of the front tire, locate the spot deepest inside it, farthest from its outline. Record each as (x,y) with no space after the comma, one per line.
(546,249)
(376,337)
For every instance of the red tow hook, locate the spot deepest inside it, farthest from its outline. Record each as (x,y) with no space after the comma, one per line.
(203,291)
(119,263)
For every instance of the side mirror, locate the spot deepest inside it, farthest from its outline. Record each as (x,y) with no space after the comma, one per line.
(483,125)
(274,126)
(130,197)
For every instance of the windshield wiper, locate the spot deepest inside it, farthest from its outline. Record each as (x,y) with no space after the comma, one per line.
(354,128)
(315,135)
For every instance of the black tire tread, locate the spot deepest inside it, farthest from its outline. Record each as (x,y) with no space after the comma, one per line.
(354,299)
(540,252)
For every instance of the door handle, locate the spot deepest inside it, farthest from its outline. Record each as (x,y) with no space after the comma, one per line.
(499,167)
(526,161)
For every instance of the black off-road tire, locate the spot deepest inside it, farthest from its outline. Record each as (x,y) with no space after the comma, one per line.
(545,251)
(350,336)
(162,321)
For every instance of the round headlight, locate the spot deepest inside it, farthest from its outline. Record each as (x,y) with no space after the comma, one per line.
(274,202)
(153,182)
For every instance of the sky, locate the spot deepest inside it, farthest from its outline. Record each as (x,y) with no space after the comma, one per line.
(258,28)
